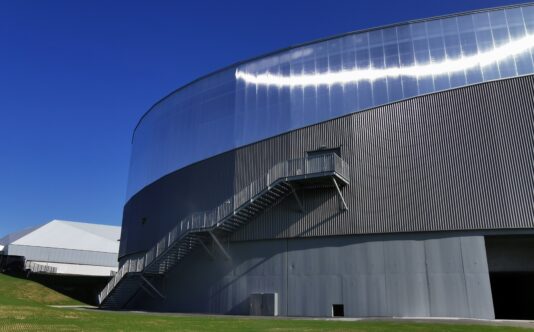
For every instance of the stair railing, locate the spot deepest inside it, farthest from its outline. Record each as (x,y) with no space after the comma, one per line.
(307,166)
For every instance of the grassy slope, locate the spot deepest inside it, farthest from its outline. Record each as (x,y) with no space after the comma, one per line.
(15,291)
(23,307)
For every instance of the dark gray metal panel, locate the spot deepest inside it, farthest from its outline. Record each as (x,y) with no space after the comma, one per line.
(456,160)
(409,275)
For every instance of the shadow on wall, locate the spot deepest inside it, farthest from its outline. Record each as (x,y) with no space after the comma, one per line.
(285,219)
(242,307)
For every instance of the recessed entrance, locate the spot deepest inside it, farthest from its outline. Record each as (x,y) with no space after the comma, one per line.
(511,270)
(338,310)
(513,294)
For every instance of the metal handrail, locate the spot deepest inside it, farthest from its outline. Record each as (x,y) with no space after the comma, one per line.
(39,268)
(300,167)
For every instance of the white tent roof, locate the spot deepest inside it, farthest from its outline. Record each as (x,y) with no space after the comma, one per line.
(68,235)
(10,238)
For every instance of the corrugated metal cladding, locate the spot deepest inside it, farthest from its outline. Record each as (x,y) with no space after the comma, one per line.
(454,160)
(60,255)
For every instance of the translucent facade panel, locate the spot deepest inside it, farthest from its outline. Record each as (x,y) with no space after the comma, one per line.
(309,84)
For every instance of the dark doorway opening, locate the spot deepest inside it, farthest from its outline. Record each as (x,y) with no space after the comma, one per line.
(338,310)
(511,272)
(513,294)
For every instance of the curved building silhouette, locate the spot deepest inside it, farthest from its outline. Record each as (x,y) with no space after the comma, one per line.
(385,172)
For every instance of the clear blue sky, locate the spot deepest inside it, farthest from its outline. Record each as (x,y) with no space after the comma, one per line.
(75,76)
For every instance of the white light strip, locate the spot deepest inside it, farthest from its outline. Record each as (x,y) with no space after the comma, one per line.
(370,74)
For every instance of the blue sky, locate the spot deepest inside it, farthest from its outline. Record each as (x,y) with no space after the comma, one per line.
(75,77)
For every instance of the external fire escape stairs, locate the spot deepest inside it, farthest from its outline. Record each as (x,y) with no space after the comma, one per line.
(139,273)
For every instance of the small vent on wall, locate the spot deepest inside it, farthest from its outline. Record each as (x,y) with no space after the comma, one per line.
(338,310)
(263,304)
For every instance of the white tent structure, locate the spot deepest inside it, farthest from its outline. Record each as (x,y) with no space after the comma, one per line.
(66,247)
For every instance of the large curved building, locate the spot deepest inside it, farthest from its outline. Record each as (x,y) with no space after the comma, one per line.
(385,172)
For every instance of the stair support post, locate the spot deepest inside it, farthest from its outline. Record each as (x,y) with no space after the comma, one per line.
(206,248)
(216,240)
(299,202)
(340,195)
(152,287)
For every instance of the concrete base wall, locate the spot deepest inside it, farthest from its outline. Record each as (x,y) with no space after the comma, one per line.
(415,275)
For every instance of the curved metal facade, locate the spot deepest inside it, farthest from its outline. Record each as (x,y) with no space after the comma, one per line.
(433,122)
(309,84)
(455,160)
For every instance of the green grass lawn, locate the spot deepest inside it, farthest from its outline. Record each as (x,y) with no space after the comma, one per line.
(25,306)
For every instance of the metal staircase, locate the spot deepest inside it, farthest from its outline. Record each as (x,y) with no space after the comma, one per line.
(318,171)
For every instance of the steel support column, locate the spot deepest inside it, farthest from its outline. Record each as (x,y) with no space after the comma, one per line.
(296,197)
(340,195)
(206,248)
(225,253)
(152,287)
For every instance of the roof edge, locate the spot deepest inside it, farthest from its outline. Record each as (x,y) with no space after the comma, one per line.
(319,40)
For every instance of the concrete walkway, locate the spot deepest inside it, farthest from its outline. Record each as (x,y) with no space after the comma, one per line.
(440,320)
